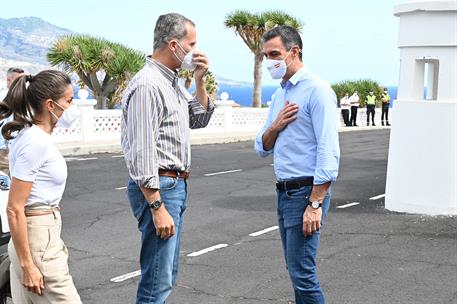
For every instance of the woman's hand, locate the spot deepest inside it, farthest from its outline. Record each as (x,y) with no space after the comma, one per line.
(32,279)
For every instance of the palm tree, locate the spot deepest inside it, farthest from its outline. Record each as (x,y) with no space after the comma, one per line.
(210,81)
(251,27)
(102,66)
(211,84)
(187,76)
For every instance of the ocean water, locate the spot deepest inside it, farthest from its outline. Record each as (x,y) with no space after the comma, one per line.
(243,94)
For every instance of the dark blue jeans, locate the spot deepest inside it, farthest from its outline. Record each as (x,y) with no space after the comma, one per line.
(158,258)
(299,251)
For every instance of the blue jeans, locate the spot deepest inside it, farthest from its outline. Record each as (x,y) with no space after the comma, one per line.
(158,258)
(299,251)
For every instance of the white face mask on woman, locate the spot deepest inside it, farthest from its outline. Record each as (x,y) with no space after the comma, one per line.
(186,62)
(68,117)
(277,68)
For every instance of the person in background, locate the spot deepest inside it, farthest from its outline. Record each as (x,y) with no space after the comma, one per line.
(39,258)
(302,135)
(345,105)
(157,115)
(354,100)
(385,99)
(11,75)
(371,106)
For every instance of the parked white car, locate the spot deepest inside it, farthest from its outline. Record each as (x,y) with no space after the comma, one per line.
(4,239)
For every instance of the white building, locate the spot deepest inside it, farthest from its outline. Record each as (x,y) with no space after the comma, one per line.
(422,166)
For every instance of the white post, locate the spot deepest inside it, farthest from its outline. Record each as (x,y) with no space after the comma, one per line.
(86,107)
(228,119)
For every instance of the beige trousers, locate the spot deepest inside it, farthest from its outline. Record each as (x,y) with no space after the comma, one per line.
(50,255)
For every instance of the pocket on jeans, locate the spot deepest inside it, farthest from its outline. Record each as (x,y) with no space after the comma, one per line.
(168,183)
(301,193)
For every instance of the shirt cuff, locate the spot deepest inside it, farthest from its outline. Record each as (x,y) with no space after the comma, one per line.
(258,145)
(151,182)
(324,176)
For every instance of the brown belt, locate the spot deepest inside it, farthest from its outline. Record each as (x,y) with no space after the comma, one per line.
(38,212)
(171,173)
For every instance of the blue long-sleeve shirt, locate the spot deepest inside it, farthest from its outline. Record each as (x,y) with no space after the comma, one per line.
(309,145)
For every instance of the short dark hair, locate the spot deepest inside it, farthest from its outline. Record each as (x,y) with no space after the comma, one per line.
(289,37)
(15,70)
(170,26)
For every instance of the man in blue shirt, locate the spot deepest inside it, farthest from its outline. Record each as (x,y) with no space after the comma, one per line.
(301,132)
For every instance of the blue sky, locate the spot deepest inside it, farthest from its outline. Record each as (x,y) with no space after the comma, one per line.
(348,39)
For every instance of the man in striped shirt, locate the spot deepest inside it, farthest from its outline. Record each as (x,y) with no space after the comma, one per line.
(157,115)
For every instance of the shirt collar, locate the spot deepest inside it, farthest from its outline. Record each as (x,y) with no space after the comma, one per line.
(169,74)
(299,75)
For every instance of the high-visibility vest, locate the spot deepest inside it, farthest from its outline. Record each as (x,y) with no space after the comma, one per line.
(371,100)
(386,98)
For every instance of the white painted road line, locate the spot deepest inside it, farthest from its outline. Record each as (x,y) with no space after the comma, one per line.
(209,249)
(347,205)
(223,172)
(377,197)
(264,231)
(126,276)
(121,188)
(89,158)
(116,156)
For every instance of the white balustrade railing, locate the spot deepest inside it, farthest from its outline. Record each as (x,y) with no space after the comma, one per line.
(102,125)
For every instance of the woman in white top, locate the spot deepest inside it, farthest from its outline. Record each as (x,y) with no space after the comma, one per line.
(39,258)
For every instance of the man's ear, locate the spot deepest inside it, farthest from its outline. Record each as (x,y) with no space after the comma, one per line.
(172,45)
(296,51)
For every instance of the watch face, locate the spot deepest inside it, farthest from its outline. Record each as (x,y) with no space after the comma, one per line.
(315,204)
(156,204)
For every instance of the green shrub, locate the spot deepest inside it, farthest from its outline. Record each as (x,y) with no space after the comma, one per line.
(362,86)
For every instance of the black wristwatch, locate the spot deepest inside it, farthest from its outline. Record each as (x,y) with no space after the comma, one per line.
(315,204)
(155,204)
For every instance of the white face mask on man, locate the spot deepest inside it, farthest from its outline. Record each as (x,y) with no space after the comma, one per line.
(277,68)
(68,117)
(186,62)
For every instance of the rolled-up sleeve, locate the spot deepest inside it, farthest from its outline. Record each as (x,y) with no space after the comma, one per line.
(199,116)
(143,119)
(258,144)
(323,113)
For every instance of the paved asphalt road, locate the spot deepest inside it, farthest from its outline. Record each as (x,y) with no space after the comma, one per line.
(367,254)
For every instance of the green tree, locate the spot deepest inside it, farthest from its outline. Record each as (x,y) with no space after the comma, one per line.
(187,76)
(211,84)
(251,27)
(101,65)
(210,81)
(362,86)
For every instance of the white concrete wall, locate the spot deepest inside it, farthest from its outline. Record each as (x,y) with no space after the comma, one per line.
(422,166)
(105,125)
(412,76)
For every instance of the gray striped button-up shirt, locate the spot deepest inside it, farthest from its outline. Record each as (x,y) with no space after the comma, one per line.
(157,114)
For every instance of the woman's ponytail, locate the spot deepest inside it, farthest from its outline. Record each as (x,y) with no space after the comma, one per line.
(16,104)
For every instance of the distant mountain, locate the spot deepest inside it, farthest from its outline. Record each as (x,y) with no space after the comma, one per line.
(24,43)
(223,81)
